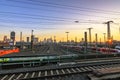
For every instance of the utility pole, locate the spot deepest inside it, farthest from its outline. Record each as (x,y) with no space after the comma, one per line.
(89,35)
(32,40)
(67,41)
(96,40)
(21,46)
(67,36)
(54,39)
(108,34)
(85,42)
(104,37)
(20,36)
(108,29)
(100,41)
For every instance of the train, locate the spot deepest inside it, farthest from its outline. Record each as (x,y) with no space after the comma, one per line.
(102,50)
(54,58)
(117,48)
(16,62)
(37,58)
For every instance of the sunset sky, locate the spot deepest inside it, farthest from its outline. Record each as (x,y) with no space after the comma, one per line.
(49,18)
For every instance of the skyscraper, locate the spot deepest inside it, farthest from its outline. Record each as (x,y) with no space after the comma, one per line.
(27,39)
(12,36)
(5,38)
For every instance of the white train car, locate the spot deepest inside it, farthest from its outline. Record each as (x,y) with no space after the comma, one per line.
(117,48)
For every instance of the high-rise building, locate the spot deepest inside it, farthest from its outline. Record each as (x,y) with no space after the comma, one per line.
(5,39)
(12,36)
(28,39)
(20,36)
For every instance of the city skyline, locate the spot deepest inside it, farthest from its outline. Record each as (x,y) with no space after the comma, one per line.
(54,18)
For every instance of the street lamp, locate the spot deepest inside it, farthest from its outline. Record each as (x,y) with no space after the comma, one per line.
(32,40)
(104,37)
(67,40)
(90,35)
(67,36)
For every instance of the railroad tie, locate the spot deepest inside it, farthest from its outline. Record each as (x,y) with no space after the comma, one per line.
(45,73)
(26,75)
(4,77)
(91,68)
(63,71)
(68,71)
(94,67)
(78,69)
(87,68)
(11,77)
(103,66)
(99,67)
(51,72)
(39,74)
(83,69)
(19,76)
(33,74)
(57,72)
(73,70)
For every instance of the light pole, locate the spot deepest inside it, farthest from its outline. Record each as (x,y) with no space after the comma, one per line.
(89,35)
(67,41)
(32,40)
(108,29)
(104,39)
(85,42)
(21,46)
(67,36)
(96,40)
(108,34)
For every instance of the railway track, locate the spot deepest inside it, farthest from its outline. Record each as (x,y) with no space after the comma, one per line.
(55,72)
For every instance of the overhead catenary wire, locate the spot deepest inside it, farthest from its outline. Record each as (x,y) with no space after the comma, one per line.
(117,28)
(99,10)
(43,16)
(31,17)
(9,20)
(44,3)
(57,11)
(64,11)
(24,15)
(37,27)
